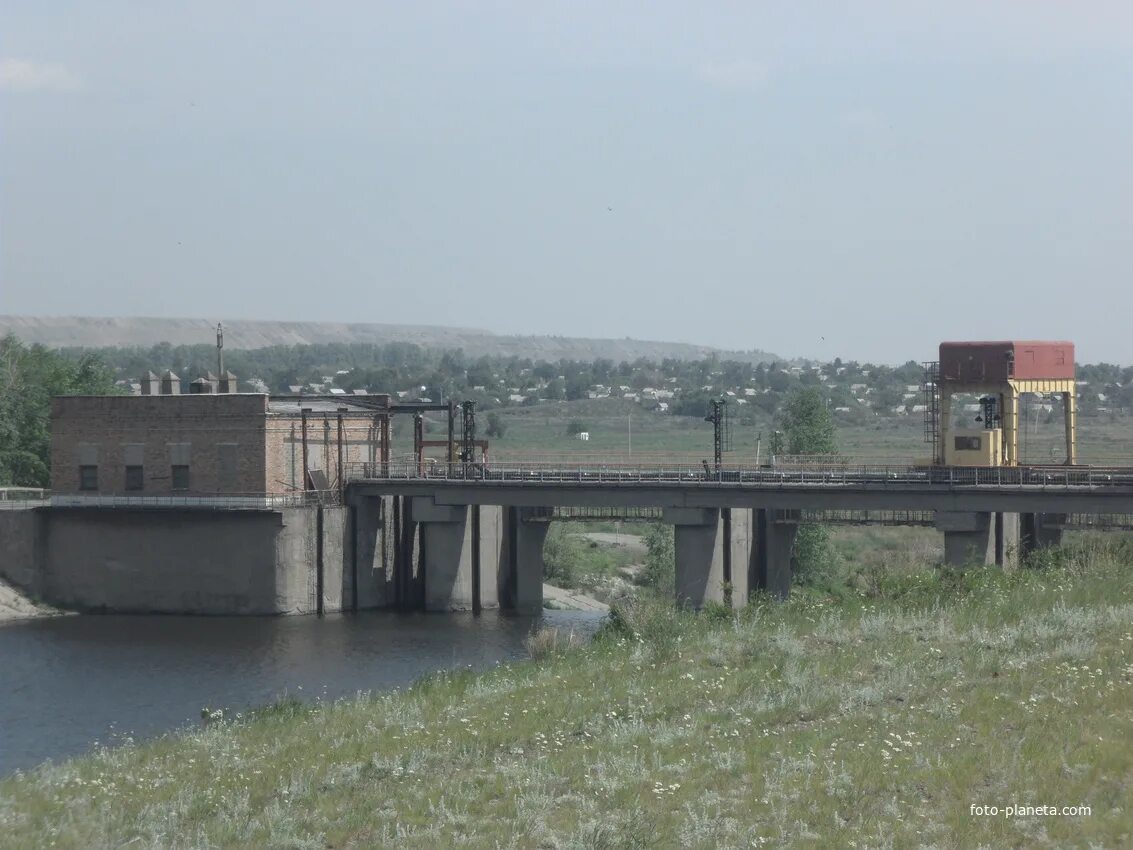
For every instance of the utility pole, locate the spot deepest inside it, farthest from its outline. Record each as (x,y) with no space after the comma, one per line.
(629,432)
(219,351)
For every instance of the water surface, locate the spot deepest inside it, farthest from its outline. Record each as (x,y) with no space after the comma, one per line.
(69,682)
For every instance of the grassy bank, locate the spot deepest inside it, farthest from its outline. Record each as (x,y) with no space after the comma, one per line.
(872,721)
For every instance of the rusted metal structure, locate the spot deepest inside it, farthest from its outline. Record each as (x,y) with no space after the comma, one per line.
(999,373)
(458,447)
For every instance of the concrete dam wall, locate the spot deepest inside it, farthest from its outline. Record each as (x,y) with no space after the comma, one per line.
(185,561)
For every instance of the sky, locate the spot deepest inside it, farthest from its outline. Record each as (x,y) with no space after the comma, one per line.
(816,179)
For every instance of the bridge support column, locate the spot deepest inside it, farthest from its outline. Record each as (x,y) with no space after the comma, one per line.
(775,533)
(969,538)
(520,578)
(460,554)
(712,549)
(1007,539)
(1038,531)
(365,587)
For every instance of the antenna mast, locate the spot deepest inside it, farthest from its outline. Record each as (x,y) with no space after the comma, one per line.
(219,351)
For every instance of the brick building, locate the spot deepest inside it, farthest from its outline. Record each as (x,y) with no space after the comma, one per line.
(203,444)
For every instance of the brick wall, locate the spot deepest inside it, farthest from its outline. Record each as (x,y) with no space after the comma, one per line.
(225,437)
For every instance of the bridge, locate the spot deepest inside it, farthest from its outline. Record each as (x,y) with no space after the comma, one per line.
(470,535)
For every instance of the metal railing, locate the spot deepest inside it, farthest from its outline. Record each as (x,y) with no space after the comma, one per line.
(219,501)
(16,498)
(887,477)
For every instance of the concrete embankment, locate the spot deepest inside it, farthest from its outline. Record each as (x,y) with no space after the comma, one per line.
(188,561)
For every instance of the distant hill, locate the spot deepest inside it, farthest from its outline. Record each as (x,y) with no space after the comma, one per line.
(97,332)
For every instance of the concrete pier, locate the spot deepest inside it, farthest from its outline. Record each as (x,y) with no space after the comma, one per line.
(461,549)
(969,537)
(1037,531)
(775,533)
(978,537)
(367,581)
(698,550)
(713,552)
(1007,539)
(521,562)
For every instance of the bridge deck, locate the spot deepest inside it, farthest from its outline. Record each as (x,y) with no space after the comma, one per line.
(1045,489)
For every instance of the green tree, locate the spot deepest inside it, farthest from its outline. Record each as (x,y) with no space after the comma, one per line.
(659,572)
(808,429)
(806,423)
(496,426)
(29,377)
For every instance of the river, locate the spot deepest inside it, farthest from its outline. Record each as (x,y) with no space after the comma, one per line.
(69,682)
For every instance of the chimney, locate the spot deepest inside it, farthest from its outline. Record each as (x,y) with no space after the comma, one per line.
(203,386)
(170,384)
(151,384)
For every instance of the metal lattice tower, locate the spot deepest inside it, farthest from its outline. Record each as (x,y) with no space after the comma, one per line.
(719,414)
(468,431)
(930,396)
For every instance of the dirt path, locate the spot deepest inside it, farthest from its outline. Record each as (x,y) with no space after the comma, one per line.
(633,542)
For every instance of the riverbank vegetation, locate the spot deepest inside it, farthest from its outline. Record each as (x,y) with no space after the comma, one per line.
(876,717)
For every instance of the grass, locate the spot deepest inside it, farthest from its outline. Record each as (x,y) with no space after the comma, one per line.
(868,721)
(614,425)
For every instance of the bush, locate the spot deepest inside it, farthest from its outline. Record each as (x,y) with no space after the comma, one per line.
(813,558)
(544,642)
(660,572)
(561,554)
(653,622)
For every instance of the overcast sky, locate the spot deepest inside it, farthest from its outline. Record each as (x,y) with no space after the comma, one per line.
(812,178)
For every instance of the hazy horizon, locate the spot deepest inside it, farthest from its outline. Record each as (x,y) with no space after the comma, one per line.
(860,181)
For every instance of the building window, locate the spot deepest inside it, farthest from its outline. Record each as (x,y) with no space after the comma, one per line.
(88,477)
(180,476)
(135,478)
(967,444)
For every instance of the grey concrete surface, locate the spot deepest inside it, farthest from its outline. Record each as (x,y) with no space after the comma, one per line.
(176,561)
(969,537)
(714,495)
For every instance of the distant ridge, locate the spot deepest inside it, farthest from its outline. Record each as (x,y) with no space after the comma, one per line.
(101,332)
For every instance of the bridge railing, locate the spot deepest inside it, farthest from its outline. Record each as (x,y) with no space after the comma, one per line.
(15,498)
(219,501)
(873,476)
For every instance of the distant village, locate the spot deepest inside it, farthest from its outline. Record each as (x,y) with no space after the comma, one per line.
(854,392)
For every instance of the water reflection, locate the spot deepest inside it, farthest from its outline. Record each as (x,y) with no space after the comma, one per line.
(71,681)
